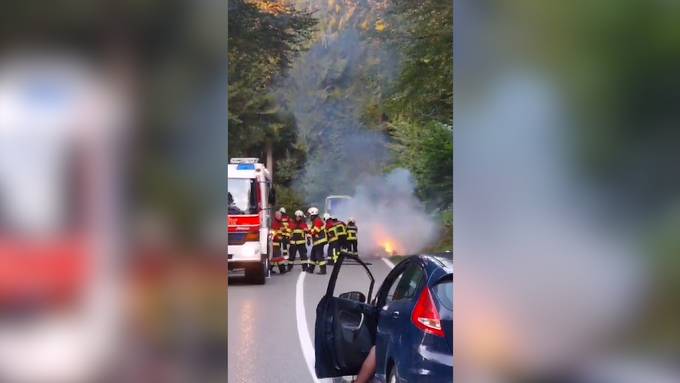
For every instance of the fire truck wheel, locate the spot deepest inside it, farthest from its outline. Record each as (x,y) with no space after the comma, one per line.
(257,273)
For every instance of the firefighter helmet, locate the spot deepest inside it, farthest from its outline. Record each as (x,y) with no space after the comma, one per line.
(326,216)
(351,219)
(299,213)
(282,210)
(313,211)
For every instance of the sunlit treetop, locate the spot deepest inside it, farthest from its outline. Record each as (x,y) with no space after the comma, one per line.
(272,6)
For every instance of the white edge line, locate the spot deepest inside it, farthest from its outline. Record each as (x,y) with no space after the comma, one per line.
(388,262)
(303,331)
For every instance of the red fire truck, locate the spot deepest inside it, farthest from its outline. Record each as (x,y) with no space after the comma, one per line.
(250,197)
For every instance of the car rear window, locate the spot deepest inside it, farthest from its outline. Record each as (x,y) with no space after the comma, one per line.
(444,293)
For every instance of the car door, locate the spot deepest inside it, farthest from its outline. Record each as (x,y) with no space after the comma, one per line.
(395,303)
(345,327)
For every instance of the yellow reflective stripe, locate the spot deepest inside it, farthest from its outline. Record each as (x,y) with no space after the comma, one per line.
(299,262)
(332,236)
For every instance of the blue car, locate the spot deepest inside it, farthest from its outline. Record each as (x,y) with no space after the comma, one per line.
(410,321)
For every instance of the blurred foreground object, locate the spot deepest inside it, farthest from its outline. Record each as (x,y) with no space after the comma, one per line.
(567,191)
(60,127)
(112,148)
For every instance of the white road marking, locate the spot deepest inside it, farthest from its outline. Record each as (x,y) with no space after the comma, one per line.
(388,263)
(303,331)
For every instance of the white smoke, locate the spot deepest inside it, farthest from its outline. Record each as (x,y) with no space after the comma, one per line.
(386,209)
(327,91)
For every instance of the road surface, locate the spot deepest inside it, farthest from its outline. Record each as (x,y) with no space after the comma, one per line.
(267,343)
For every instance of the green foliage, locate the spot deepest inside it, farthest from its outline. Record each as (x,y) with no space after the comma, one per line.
(446,233)
(419,105)
(424,33)
(262,44)
(660,322)
(427,150)
(289,199)
(621,81)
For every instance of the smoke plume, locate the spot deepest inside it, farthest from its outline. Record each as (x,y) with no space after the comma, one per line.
(334,90)
(391,220)
(330,89)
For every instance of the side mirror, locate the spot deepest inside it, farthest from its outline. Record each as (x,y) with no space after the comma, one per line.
(354,296)
(272,196)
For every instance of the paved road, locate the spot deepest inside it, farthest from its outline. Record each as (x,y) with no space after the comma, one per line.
(266,341)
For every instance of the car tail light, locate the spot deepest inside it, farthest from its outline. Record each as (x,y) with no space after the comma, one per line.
(425,315)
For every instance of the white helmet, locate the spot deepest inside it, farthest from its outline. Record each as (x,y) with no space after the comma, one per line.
(282,210)
(351,219)
(326,216)
(299,213)
(313,211)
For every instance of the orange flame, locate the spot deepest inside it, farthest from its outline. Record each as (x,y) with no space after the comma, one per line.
(389,248)
(386,242)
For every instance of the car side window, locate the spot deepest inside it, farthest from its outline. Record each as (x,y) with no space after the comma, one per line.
(409,283)
(390,293)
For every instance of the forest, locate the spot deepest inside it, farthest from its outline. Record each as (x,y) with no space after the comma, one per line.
(340,90)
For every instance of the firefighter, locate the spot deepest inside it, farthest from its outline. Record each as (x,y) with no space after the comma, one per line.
(277,232)
(285,242)
(341,233)
(233,209)
(352,240)
(299,231)
(333,244)
(318,231)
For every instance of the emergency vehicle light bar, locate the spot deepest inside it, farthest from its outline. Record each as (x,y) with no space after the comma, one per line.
(244,160)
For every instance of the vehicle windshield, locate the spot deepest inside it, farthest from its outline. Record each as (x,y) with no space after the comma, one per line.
(35,195)
(337,206)
(239,190)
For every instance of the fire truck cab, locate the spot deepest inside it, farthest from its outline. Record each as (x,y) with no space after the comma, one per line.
(250,197)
